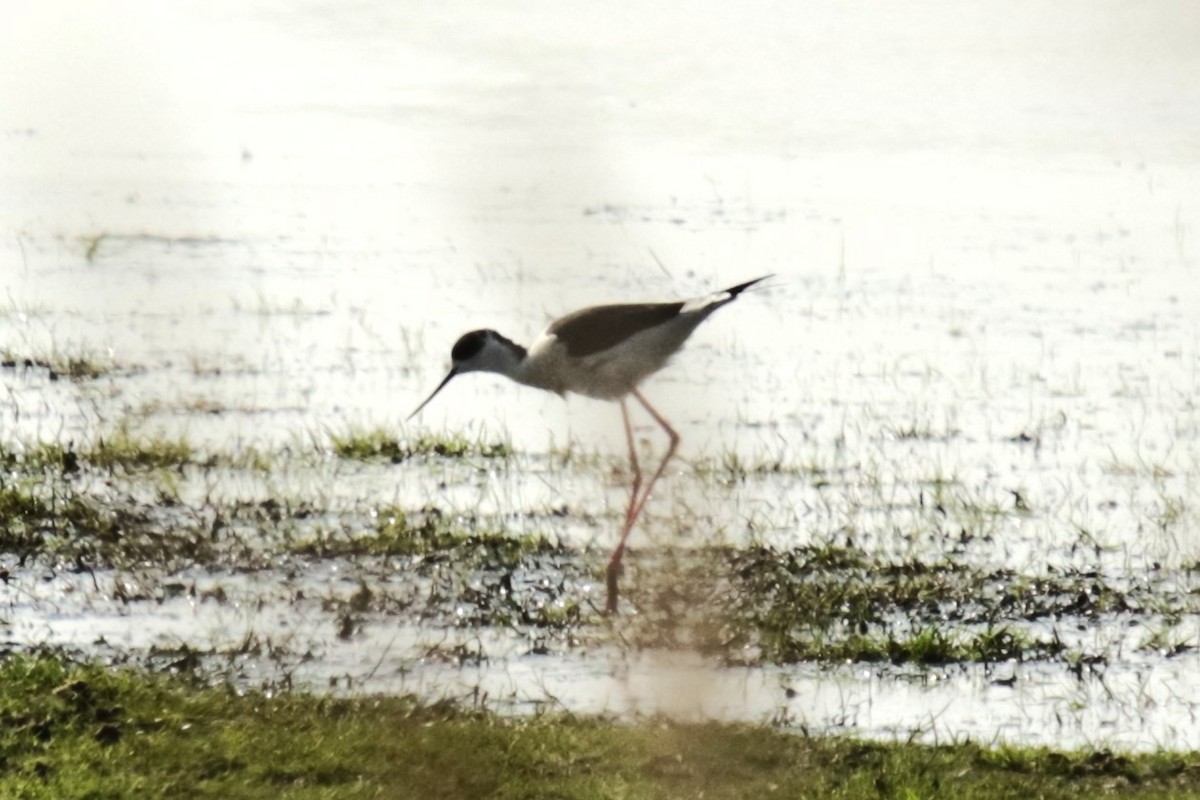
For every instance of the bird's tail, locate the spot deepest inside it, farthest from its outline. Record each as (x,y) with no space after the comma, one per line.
(736,290)
(715,300)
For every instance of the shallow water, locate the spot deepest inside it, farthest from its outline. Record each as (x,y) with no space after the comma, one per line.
(981,218)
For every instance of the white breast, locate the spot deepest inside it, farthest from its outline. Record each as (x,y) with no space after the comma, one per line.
(611,373)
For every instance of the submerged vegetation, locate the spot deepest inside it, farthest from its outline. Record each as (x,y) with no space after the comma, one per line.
(115,504)
(432,537)
(79,364)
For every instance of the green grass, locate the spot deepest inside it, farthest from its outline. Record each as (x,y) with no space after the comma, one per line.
(833,604)
(126,451)
(88,731)
(36,458)
(118,450)
(928,646)
(379,444)
(55,524)
(53,511)
(433,537)
(35,520)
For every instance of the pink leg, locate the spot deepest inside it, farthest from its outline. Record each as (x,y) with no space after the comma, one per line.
(666,426)
(614,564)
(637,471)
(636,504)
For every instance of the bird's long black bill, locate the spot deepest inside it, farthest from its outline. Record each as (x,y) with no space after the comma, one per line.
(435,391)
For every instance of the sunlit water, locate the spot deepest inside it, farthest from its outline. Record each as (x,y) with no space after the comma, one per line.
(982,220)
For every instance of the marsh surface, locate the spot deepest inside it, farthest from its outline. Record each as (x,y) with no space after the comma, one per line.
(938,480)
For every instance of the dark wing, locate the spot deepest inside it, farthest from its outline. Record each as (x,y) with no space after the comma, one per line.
(591,330)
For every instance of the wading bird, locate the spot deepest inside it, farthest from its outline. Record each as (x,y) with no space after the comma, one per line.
(603,352)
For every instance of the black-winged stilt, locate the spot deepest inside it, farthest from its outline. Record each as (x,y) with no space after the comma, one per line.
(603,352)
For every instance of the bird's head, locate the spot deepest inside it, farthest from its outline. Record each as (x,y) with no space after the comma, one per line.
(479,351)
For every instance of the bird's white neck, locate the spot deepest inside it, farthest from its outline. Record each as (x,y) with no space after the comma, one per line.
(505,357)
(499,355)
